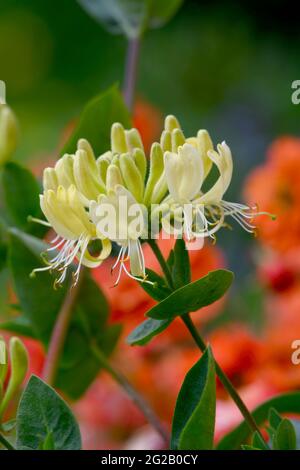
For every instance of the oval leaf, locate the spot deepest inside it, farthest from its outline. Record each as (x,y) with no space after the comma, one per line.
(158,290)
(96,120)
(131,17)
(144,332)
(44,420)
(193,296)
(194,417)
(285,437)
(286,403)
(21,198)
(181,269)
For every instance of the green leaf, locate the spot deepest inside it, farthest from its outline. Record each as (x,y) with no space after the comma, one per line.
(43,417)
(285,436)
(48,443)
(193,296)
(20,325)
(159,289)
(78,364)
(181,269)
(21,198)
(286,403)
(131,17)
(96,121)
(194,417)
(144,332)
(258,442)
(274,419)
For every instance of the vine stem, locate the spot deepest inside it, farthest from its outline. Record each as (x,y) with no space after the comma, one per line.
(130,74)
(56,347)
(60,332)
(227,384)
(136,398)
(162,262)
(6,443)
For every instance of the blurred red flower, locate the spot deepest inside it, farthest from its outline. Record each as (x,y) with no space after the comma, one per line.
(275,184)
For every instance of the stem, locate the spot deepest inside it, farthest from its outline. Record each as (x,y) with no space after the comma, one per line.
(163,264)
(136,398)
(227,384)
(6,443)
(202,346)
(60,331)
(131,71)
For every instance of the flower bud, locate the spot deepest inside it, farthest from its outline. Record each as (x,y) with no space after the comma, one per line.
(50,180)
(204,145)
(133,140)
(87,181)
(19,365)
(83,144)
(140,161)
(156,171)
(166,141)
(113,177)
(118,138)
(171,123)
(64,171)
(102,164)
(8,133)
(178,139)
(131,176)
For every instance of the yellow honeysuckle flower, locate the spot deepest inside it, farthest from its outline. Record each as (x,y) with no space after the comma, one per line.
(123,220)
(114,197)
(128,155)
(187,163)
(67,216)
(80,170)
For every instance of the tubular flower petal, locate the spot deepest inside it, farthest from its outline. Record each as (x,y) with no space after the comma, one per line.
(186,167)
(184,173)
(156,186)
(122,219)
(66,214)
(87,176)
(129,142)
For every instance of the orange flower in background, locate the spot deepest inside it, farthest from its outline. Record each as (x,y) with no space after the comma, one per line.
(276,185)
(279,272)
(239,353)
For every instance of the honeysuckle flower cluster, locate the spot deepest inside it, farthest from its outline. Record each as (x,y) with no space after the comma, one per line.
(168,187)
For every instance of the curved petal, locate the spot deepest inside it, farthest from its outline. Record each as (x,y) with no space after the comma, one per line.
(95,261)
(223,160)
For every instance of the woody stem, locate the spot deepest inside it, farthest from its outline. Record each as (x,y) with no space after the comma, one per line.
(229,387)
(130,75)
(60,332)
